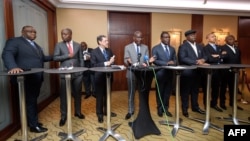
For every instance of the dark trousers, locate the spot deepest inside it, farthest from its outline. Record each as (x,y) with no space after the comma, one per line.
(227,81)
(189,85)
(164,81)
(76,88)
(88,81)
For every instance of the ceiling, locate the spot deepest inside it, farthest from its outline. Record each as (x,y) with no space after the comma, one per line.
(212,7)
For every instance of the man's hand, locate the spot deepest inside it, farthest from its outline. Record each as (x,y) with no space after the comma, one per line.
(15,71)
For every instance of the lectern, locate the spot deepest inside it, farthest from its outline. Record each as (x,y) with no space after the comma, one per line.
(67,73)
(176,124)
(235,68)
(110,130)
(21,91)
(144,125)
(209,70)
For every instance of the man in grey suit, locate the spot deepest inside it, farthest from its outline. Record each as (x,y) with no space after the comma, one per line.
(68,53)
(134,55)
(165,55)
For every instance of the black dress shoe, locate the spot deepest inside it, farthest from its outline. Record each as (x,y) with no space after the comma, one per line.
(128,116)
(199,111)
(185,113)
(38,129)
(87,96)
(80,116)
(100,118)
(217,108)
(159,113)
(238,107)
(223,107)
(168,114)
(62,121)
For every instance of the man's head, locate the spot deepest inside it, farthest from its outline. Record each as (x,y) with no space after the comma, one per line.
(84,45)
(137,37)
(230,40)
(29,32)
(66,34)
(191,35)
(211,38)
(102,41)
(165,37)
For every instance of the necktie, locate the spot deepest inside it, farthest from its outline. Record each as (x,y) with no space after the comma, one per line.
(137,49)
(214,47)
(34,46)
(70,48)
(167,52)
(105,54)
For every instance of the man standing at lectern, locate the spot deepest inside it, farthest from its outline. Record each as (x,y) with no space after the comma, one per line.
(20,54)
(165,56)
(101,56)
(134,56)
(68,53)
(190,53)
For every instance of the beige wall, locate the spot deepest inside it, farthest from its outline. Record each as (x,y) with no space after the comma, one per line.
(213,23)
(85,24)
(169,22)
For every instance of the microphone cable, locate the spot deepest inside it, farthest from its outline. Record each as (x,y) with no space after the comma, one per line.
(159,95)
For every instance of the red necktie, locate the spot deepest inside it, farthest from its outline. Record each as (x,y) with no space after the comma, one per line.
(70,48)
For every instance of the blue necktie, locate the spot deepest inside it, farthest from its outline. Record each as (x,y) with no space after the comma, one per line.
(138,49)
(105,54)
(214,46)
(167,52)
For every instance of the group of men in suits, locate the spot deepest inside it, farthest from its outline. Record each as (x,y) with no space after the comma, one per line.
(23,53)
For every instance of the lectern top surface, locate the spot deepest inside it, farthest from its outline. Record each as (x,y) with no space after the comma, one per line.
(239,65)
(66,70)
(30,71)
(180,67)
(220,66)
(106,69)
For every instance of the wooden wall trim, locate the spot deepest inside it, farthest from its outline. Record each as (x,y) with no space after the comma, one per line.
(197,24)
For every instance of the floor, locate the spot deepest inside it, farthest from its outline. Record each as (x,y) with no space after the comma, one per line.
(50,117)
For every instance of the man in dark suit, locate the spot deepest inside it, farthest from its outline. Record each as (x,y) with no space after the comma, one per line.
(101,56)
(190,53)
(165,55)
(215,57)
(88,76)
(68,53)
(233,56)
(20,54)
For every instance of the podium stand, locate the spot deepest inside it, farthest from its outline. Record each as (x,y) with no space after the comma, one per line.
(235,68)
(21,91)
(209,70)
(110,130)
(67,73)
(176,124)
(144,125)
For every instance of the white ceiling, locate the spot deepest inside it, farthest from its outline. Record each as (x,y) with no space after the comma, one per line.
(221,7)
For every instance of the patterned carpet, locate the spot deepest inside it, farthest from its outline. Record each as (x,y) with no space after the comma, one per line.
(50,117)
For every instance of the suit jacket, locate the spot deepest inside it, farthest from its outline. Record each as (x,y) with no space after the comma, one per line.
(97,60)
(231,57)
(160,54)
(61,54)
(131,53)
(87,62)
(187,56)
(209,50)
(19,53)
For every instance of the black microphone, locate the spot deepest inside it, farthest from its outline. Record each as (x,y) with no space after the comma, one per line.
(146,59)
(138,57)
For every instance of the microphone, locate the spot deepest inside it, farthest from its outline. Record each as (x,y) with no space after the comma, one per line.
(138,57)
(146,59)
